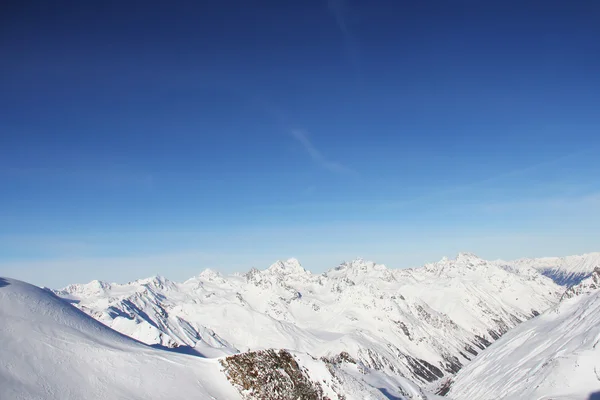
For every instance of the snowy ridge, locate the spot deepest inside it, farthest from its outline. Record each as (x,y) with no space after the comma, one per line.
(51,350)
(423,323)
(588,285)
(565,271)
(553,356)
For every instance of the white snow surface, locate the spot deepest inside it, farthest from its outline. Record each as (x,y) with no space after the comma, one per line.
(51,350)
(566,268)
(553,356)
(420,323)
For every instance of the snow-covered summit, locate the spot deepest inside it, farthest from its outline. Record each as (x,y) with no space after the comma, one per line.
(156,281)
(288,267)
(467,257)
(94,287)
(423,323)
(462,264)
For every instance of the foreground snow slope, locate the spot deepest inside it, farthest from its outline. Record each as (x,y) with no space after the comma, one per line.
(51,350)
(422,323)
(553,356)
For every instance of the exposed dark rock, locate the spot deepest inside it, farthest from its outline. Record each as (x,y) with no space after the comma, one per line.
(588,285)
(444,388)
(270,375)
(340,358)
(471,350)
(516,320)
(502,327)
(424,369)
(481,342)
(404,328)
(494,334)
(452,364)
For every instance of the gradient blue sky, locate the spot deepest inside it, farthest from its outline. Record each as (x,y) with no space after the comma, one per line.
(139,139)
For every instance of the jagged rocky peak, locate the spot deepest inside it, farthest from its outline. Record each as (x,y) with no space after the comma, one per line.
(156,281)
(463,260)
(586,286)
(467,257)
(288,267)
(359,264)
(209,274)
(93,287)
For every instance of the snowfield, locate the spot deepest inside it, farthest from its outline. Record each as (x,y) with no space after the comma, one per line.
(51,350)
(358,331)
(553,356)
(423,323)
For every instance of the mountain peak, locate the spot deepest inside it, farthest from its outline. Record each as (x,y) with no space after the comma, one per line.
(290,266)
(588,285)
(95,287)
(209,274)
(466,256)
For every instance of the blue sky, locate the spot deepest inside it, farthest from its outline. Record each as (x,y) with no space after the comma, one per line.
(140,139)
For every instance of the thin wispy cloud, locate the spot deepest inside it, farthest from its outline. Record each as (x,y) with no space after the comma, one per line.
(282,120)
(302,138)
(339,10)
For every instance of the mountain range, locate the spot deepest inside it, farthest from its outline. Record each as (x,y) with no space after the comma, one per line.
(359,330)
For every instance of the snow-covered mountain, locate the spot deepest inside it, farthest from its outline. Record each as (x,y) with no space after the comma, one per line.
(588,285)
(566,271)
(51,350)
(553,356)
(423,323)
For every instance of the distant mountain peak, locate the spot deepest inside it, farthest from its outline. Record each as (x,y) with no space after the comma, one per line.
(94,287)
(360,263)
(290,266)
(155,281)
(429,316)
(209,273)
(467,257)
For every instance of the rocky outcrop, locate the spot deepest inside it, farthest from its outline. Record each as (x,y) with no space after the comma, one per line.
(270,375)
(588,285)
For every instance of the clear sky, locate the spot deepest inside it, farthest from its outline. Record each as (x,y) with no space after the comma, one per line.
(138,139)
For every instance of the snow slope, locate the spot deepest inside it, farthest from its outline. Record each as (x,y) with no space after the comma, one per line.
(565,271)
(553,356)
(51,350)
(423,323)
